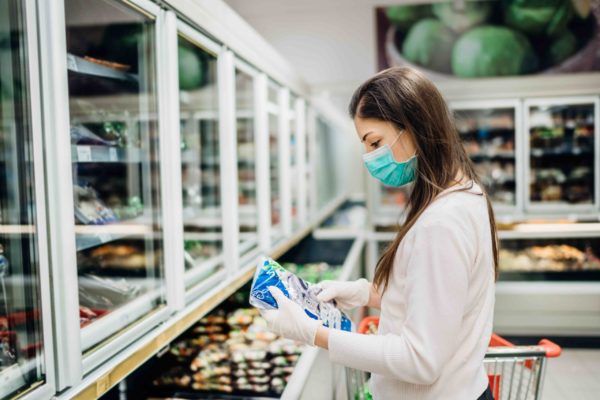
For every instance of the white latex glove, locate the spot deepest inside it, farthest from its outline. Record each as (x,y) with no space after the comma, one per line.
(290,320)
(348,295)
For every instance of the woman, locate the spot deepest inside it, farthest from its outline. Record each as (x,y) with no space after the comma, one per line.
(434,284)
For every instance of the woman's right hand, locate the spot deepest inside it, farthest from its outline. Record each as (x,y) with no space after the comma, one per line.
(348,295)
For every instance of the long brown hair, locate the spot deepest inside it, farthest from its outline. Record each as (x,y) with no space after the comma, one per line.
(411,102)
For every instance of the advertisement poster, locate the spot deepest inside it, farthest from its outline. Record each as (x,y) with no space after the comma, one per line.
(477,39)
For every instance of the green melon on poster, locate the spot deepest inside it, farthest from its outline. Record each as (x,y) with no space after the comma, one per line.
(429,43)
(461,19)
(493,51)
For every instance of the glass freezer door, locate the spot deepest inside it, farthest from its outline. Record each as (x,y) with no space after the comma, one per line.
(562,157)
(273,110)
(246,153)
(111,60)
(488,135)
(200,161)
(326,180)
(21,340)
(294,161)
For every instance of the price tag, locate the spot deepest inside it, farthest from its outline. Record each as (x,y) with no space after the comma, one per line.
(104,237)
(84,154)
(112,154)
(72,63)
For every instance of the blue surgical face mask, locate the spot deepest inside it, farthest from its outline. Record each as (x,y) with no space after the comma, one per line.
(381,165)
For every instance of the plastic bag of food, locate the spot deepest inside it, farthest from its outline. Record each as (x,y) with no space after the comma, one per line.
(269,273)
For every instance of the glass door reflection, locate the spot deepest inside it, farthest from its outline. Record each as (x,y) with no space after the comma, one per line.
(246,153)
(488,135)
(200,168)
(562,154)
(21,340)
(111,64)
(273,110)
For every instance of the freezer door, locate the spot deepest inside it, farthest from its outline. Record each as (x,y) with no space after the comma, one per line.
(114,141)
(25,342)
(562,156)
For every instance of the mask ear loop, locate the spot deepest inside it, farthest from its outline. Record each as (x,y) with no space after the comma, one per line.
(395,140)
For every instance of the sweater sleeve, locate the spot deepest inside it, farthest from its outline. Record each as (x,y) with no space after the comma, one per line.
(436,294)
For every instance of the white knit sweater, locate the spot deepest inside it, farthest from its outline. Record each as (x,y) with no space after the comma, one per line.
(436,314)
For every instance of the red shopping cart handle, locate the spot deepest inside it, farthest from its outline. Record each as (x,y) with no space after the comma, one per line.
(551,348)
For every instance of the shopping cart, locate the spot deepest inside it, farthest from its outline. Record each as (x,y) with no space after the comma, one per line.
(514,372)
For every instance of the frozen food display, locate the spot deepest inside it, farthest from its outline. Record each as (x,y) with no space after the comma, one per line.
(270,274)
(580,255)
(22,344)
(562,143)
(200,160)
(114,151)
(489,137)
(230,351)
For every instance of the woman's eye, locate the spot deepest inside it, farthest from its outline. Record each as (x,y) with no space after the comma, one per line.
(375,144)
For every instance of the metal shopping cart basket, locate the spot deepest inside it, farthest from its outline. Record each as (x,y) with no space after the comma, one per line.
(514,372)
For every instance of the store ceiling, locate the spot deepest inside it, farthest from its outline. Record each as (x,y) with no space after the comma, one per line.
(331,43)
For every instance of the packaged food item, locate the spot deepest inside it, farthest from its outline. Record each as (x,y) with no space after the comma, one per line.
(270,273)
(89,209)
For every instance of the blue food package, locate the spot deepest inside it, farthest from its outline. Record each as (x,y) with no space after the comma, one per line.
(270,273)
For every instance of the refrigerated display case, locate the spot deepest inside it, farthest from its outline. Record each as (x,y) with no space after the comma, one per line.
(112,80)
(230,353)
(246,156)
(562,154)
(200,158)
(25,344)
(488,131)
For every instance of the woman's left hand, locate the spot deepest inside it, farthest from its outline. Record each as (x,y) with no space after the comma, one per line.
(289,319)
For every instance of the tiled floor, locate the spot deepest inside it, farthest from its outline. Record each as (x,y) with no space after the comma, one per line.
(574,375)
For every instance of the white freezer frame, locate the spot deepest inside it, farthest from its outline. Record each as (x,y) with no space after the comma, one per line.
(59,198)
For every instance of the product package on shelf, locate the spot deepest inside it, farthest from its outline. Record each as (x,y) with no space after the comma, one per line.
(270,273)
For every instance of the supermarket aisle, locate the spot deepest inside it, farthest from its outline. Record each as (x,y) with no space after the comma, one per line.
(573,376)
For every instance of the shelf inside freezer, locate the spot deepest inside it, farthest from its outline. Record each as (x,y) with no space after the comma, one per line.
(88,236)
(101,68)
(566,258)
(106,154)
